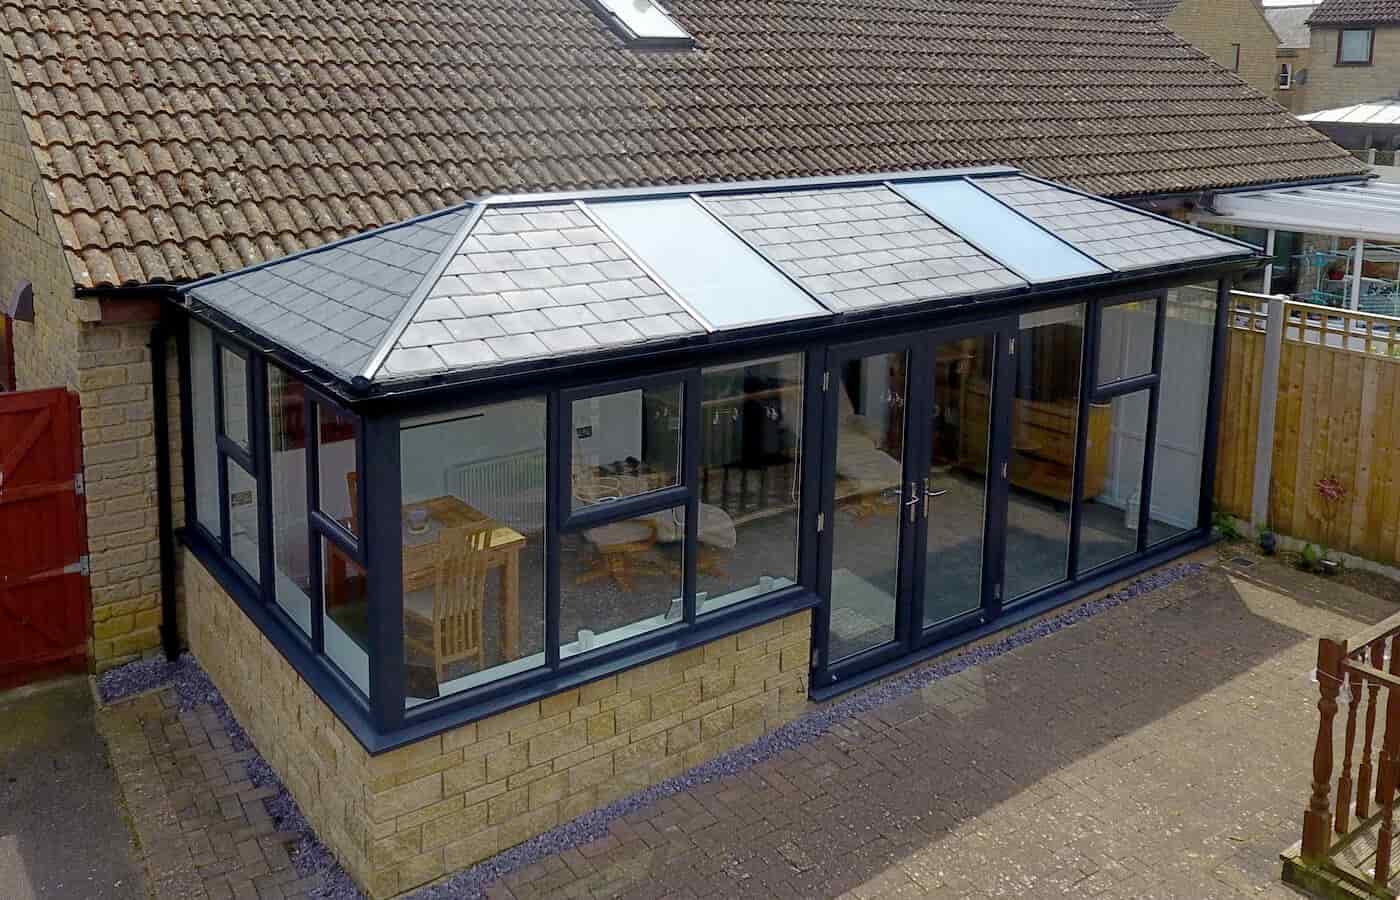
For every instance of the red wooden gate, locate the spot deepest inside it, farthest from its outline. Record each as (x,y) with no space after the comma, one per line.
(43,581)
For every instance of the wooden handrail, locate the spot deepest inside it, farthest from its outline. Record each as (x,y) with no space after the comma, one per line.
(1365,671)
(1379,631)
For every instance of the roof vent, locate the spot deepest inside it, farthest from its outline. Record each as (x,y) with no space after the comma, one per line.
(644,24)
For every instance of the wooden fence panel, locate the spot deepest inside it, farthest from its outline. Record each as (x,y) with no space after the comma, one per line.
(1338,416)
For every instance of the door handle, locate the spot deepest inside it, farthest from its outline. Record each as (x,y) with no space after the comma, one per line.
(930,494)
(913,501)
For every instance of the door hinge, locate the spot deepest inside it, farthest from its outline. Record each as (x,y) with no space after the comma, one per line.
(996,592)
(821,522)
(80,567)
(826,381)
(815,657)
(1013,346)
(1003,470)
(79,486)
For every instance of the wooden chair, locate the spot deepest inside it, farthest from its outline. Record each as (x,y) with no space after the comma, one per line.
(458,598)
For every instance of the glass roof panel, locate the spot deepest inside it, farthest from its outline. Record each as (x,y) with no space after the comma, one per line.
(722,279)
(645,19)
(992,227)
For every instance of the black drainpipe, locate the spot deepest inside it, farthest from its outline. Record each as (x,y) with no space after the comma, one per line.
(169,626)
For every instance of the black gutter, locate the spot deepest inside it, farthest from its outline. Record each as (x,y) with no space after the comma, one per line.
(169,624)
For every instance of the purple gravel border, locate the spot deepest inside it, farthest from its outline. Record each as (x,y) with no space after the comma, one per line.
(311,857)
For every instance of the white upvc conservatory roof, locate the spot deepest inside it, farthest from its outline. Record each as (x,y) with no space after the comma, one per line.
(533,278)
(1365,209)
(1374,112)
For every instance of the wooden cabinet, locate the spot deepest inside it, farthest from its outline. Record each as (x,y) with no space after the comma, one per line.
(1042,443)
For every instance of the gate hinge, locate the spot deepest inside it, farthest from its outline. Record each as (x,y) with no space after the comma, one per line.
(826,381)
(79,486)
(80,567)
(1013,346)
(821,522)
(1003,470)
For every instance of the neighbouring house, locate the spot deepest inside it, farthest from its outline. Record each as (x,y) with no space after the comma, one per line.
(1294,53)
(1372,125)
(553,395)
(1234,33)
(1354,53)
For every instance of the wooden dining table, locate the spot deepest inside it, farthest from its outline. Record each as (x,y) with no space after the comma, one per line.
(422,552)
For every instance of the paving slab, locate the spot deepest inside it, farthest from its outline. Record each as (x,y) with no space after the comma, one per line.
(63,828)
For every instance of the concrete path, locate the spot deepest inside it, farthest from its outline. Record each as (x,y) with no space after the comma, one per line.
(1158,749)
(63,831)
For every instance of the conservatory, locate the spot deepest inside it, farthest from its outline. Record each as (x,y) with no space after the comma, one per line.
(1332,245)
(492,454)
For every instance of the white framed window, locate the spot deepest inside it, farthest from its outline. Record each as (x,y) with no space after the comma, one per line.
(1285,76)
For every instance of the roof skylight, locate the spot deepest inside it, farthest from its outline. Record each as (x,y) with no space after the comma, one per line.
(643,23)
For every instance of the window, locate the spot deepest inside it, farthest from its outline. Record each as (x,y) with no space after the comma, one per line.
(203,408)
(1044,428)
(1178,458)
(1285,76)
(1354,46)
(1110,514)
(474,506)
(291,523)
(645,23)
(626,444)
(1126,341)
(1234,57)
(750,460)
(257,465)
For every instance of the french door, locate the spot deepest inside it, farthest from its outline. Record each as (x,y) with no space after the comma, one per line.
(914,492)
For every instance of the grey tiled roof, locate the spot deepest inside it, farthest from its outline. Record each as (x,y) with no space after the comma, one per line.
(336,305)
(1117,237)
(860,247)
(532,282)
(524,279)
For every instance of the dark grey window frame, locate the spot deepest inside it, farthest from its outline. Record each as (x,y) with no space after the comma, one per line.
(1370,47)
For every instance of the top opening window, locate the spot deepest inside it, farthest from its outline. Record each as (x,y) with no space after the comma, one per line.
(1354,46)
(643,23)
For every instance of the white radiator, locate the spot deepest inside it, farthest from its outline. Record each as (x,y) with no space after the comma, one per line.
(509,489)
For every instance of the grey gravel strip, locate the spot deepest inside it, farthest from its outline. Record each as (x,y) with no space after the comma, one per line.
(310,857)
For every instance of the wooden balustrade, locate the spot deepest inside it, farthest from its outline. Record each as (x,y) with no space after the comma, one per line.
(1338,833)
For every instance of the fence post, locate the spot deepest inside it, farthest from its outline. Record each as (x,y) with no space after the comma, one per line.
(1268,409)
(1317,820)
(1371,156)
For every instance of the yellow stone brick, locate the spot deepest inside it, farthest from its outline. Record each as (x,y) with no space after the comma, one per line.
(717,683)
(508,806)
(750,709)
(657,726)
(559,703)
(472,849)
(549,790)
(396,848)
(530,824)
(532,774)
(451,827)
(576,805)
(795,658)
(402,758)
(484,793)
(721,648)
(674,701)
(421,869)
(591,773)
(683,737)
(602,726)
(598,690)
(503,723)
(464,776)
(429,813)
(405,798)
(506,762)
(554,743)
(633,714)
(384,884)
(484,748)
(585,712)
(112,627)
(640,753)
(458,738)
(759,635)
(799,621)
(716,722)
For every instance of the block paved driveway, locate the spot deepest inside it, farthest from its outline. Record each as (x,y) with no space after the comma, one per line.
(1159,749)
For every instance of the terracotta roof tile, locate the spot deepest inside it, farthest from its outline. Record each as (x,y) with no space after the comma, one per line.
(240,131)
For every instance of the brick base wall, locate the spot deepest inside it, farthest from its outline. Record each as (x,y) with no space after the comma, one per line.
(407,817)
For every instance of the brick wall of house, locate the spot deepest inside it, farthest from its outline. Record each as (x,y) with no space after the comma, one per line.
(46,350)
(1331,85)
(119,464)
(1295,99)
(1215,25)
(412,815)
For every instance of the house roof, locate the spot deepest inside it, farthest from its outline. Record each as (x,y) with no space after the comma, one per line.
(1369,210)
(1291,25)
(1356,12)
(532,278)
(178,140)
(1157,9)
